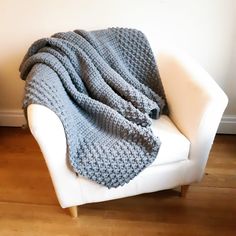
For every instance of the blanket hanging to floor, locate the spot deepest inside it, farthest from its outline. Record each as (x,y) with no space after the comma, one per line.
(105,87)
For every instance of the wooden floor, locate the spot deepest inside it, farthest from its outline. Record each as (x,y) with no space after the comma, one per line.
(28,205)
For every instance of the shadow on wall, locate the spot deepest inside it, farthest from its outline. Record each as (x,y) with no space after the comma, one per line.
(11,86)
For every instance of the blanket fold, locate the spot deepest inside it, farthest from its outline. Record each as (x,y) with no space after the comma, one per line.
(105,87)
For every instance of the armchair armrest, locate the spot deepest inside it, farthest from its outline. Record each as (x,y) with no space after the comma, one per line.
(49,133)
(196,103)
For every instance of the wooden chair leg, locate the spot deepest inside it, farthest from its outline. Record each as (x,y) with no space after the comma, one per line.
(184,190)
(73,211)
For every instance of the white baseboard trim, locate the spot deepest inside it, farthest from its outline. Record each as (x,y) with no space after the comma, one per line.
(227,125)
(14,118)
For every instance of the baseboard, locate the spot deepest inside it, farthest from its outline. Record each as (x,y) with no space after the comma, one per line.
(227,125)
(14,118)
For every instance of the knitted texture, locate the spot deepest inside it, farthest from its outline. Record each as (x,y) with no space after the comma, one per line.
(105,88)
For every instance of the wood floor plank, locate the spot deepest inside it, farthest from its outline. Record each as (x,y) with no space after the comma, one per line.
(28,205)
(168,220)
(21,162)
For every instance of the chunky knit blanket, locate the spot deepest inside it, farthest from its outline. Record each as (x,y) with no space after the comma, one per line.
(105,88)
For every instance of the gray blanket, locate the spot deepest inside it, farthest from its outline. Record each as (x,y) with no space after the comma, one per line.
(105,88)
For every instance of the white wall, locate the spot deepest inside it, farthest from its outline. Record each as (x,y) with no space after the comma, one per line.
(204,28)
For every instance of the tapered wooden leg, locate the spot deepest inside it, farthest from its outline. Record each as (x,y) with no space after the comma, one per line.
(184,190)
(73,211)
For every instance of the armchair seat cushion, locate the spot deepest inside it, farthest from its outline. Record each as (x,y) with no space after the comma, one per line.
(174,145)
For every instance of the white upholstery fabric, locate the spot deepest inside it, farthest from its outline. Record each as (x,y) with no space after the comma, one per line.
(174,145)
(196,106)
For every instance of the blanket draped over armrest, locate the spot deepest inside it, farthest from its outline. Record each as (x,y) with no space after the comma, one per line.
(105,87)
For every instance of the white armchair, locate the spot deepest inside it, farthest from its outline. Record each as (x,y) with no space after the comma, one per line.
(196,105)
